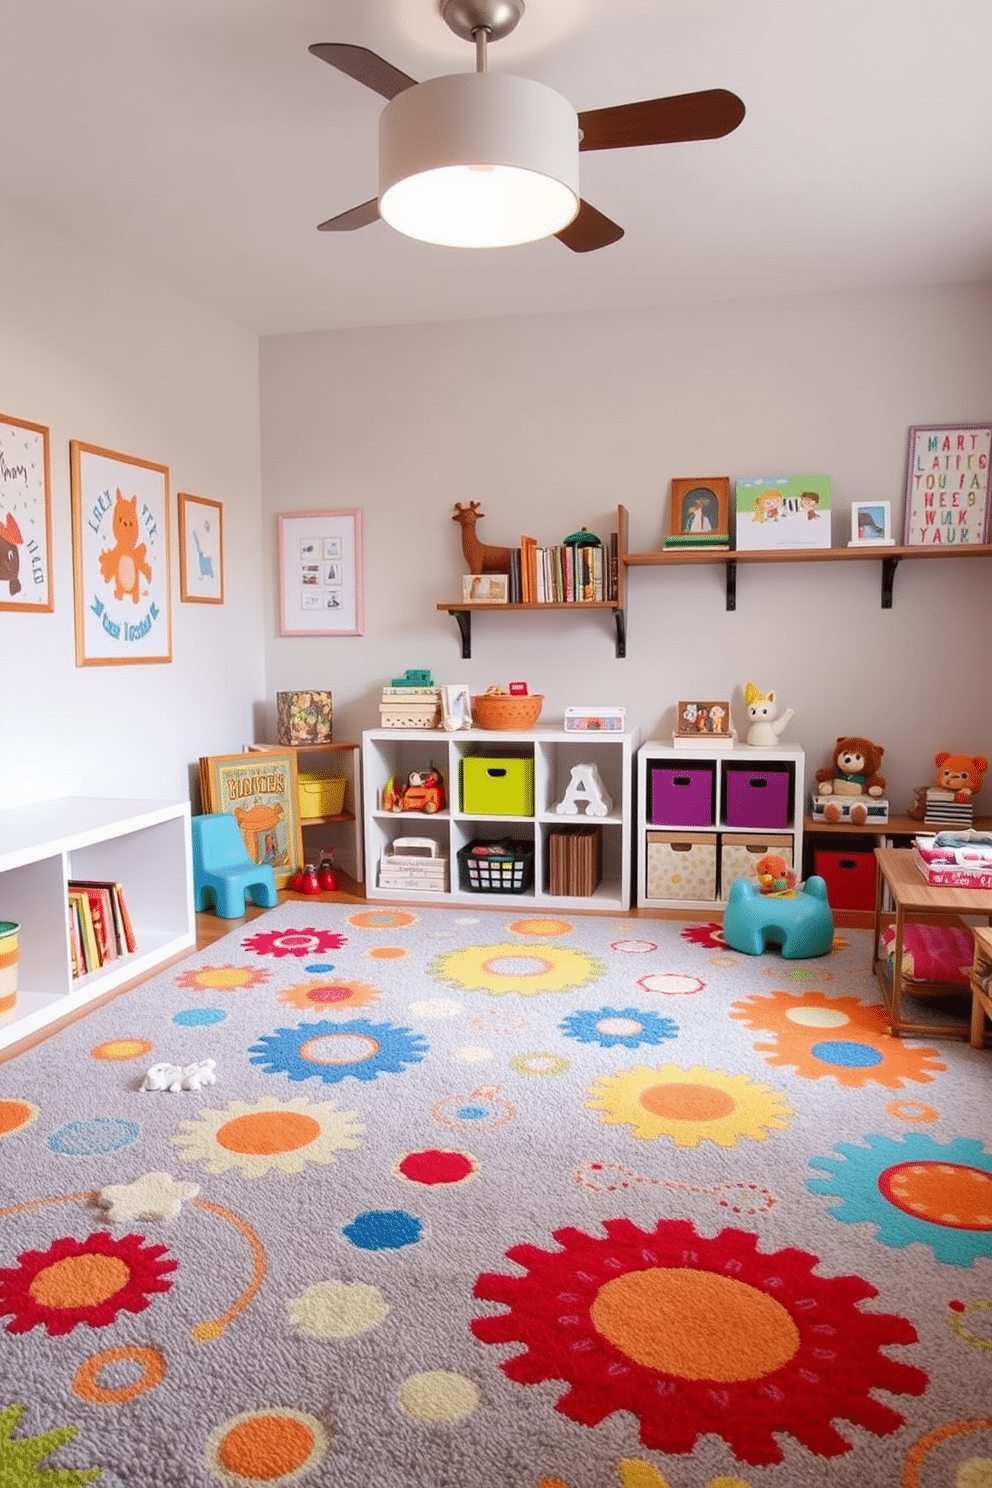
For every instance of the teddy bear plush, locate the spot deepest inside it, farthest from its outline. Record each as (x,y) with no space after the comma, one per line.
(853,771)
(961,773)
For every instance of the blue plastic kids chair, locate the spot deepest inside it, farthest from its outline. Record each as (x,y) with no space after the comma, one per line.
(223,872)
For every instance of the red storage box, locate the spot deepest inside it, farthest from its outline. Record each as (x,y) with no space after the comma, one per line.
(683,795)
(758,795)
(849,876)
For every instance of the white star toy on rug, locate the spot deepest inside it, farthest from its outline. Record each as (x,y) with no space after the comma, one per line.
(155,1196)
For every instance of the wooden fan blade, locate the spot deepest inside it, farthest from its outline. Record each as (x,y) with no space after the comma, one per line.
(662,121)
(364,66)
(589,230)
(356,217)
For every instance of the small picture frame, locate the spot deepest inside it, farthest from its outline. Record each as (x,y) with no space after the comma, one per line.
(871,524)
(948,495)
(485,588)
(456,707)
(320,573)
(201,550)
(700,506)
(702,720)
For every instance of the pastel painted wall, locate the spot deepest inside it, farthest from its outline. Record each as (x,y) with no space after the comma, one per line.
(100,354)
(551,422)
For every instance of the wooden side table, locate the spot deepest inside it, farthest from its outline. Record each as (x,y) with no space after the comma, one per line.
(981,986)
(918,903)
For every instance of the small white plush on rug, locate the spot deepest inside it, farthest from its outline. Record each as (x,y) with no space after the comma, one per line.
(155,1196)
(181,1077)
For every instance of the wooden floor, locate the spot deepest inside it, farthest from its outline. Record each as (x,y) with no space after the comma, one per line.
(211,927)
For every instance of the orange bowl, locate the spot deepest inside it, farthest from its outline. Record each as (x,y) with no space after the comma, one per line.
(499,710)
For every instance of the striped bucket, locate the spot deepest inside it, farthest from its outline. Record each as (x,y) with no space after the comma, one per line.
(8,965)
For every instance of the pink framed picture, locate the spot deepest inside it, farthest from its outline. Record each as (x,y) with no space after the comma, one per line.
(320,573)
(948,470)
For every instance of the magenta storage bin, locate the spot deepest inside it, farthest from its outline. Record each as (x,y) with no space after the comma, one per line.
(683,795)
(758,796)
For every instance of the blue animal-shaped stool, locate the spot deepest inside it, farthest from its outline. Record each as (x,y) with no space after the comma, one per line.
(802,923)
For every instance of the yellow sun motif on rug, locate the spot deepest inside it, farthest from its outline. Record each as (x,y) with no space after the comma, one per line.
(842,1037)
(689,1105)
(525,969)
(327,994)
(222,978)
(271,1134)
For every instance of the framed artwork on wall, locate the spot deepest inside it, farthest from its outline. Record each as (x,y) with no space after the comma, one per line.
(25,517)
(320,573)
(120,553)
(201,550)
(871,524)
(700,506)
(782,511)
(947,485)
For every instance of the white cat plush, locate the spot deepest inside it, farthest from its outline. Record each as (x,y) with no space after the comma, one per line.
(765,723)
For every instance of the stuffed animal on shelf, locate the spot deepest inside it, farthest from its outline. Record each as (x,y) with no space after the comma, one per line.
(961,774)
(774,875)
(853,771)
(765,723)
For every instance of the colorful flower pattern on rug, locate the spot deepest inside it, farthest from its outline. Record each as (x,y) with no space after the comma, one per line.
(75,1282)
(527,970)
(320,1315)
(709,935)
(689,1105)
(627,1027)
(915,1190)
(269,1134)
(842,1037)
(694,1335)
(334,1051)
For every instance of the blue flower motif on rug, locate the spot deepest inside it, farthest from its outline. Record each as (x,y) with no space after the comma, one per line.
(627,1027)
(333,1051)
(914,1190)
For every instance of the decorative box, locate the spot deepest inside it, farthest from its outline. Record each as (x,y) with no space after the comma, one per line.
(410,707)
(683,795)
(497,787)
(849,809)
(304,717)
(681,865)
(758,795)
(599,720)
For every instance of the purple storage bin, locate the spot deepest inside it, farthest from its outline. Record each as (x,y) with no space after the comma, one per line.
(683,795)
(758,796)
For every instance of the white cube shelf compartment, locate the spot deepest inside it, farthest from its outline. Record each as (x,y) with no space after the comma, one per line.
(551,755)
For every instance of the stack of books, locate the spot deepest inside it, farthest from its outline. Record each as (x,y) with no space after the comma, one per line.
(575,860)
(942,810)
(411,701)
(100,926)
(686,540)
(958,863)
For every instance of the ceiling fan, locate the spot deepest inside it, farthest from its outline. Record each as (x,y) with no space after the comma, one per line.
(486,159)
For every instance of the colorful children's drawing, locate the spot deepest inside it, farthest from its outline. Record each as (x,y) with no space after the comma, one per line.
(782,511)
(25,517)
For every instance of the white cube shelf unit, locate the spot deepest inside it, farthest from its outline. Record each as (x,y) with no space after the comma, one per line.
(143,845)
(699,809)
(550,754)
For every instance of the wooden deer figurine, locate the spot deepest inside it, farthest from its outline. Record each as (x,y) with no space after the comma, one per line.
(478,555)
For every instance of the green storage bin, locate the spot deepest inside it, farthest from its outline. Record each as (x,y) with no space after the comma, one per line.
(497,786)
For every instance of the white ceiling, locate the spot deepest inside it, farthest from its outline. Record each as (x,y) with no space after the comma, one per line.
(200,139)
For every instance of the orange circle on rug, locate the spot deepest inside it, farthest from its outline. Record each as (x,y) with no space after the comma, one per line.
(14,1114)
(268,1131)
(678,1102)
(125,1048)
(80,1281)
(266,1447)
(86,1380)
(387,953)
(948,1194)
(678,1321)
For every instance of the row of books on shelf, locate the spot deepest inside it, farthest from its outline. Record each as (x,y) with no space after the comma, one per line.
(955,860)
(569,572)
(575,861)
(100,927)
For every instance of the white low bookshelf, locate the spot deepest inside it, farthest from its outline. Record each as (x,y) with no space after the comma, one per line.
(144,845)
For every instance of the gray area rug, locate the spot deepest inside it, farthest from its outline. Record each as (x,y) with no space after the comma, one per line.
(497,1199)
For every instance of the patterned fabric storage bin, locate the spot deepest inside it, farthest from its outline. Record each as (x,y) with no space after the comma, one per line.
(683,795)
(681,865)
(740,856)
(758,796)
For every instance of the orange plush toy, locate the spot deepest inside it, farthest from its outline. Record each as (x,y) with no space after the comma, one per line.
(774,875)
(961,773)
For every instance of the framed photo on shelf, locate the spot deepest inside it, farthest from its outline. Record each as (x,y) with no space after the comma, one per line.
(782,511)
(456,707)
(120,554)
(707,720)
(700,505)
(485,588)
(261,792)
(871,524)
(320,573)
(947,485)
(201,550)
(25,517)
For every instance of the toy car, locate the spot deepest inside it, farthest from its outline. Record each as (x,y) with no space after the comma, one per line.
(424,792)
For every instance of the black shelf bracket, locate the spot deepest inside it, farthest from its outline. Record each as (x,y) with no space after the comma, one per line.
(464,619)
(731,584)
(889,566)
(620,617)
